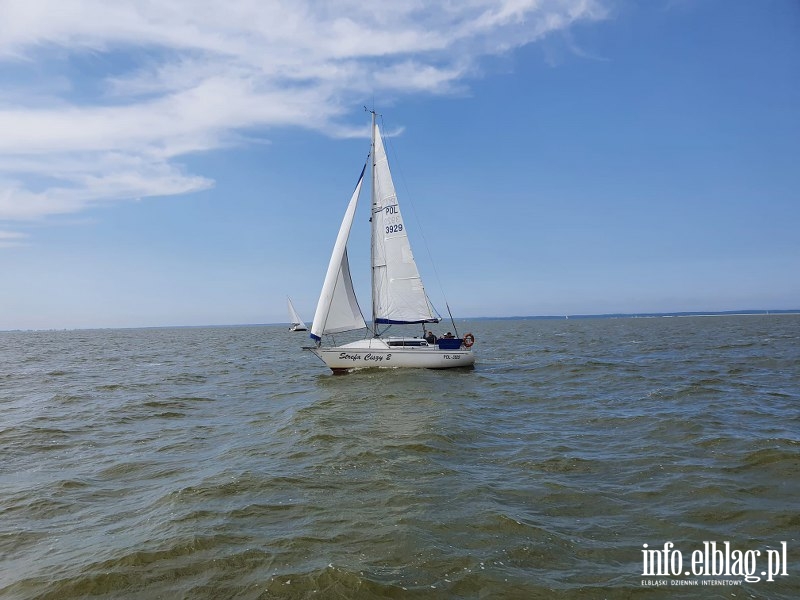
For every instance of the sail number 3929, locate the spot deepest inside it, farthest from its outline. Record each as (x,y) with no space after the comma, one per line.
(392,215)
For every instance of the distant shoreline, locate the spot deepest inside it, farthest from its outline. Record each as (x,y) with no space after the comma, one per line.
(725,313)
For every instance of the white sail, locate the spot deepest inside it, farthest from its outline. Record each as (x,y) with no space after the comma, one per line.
(337,309)
(294,319)
(398,295)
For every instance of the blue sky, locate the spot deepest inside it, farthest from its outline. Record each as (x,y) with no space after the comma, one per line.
(189,164)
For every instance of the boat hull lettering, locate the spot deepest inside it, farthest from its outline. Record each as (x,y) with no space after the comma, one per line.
(339,360)
(368,357)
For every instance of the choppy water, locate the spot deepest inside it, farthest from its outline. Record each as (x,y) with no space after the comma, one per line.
(227,463)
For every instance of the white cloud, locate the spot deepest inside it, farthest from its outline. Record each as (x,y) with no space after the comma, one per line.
(9,239)
(121,89)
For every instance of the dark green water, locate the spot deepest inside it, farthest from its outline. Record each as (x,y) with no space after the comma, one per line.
(227,463)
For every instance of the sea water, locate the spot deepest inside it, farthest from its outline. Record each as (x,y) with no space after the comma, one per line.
(591,458)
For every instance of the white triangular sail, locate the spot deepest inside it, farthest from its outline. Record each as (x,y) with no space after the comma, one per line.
(398,295)
(294,319)
(337,309)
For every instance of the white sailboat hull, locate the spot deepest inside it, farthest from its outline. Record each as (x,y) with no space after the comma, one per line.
(376,353)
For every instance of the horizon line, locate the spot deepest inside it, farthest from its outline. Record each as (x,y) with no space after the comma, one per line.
(618,315)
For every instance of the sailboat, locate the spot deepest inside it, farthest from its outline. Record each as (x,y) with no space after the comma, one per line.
(296,323)
(398,296)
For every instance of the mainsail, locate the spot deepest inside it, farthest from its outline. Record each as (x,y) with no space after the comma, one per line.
(337,309)
(398,295)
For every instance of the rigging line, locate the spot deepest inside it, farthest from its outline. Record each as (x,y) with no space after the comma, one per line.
(452,320)
(397,168)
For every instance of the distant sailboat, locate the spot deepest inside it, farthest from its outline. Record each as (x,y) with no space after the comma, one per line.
(294,319)
(398,296)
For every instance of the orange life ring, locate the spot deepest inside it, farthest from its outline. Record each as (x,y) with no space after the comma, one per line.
(469,339)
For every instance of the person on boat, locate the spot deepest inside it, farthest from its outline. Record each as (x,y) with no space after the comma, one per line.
(449,336)
(430,337)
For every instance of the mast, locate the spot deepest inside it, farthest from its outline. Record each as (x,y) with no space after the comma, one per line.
(373,224)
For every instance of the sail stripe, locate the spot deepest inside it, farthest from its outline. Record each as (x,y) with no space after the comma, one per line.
(392,322)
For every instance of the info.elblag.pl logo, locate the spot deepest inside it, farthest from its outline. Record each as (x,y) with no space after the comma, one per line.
(713,560)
